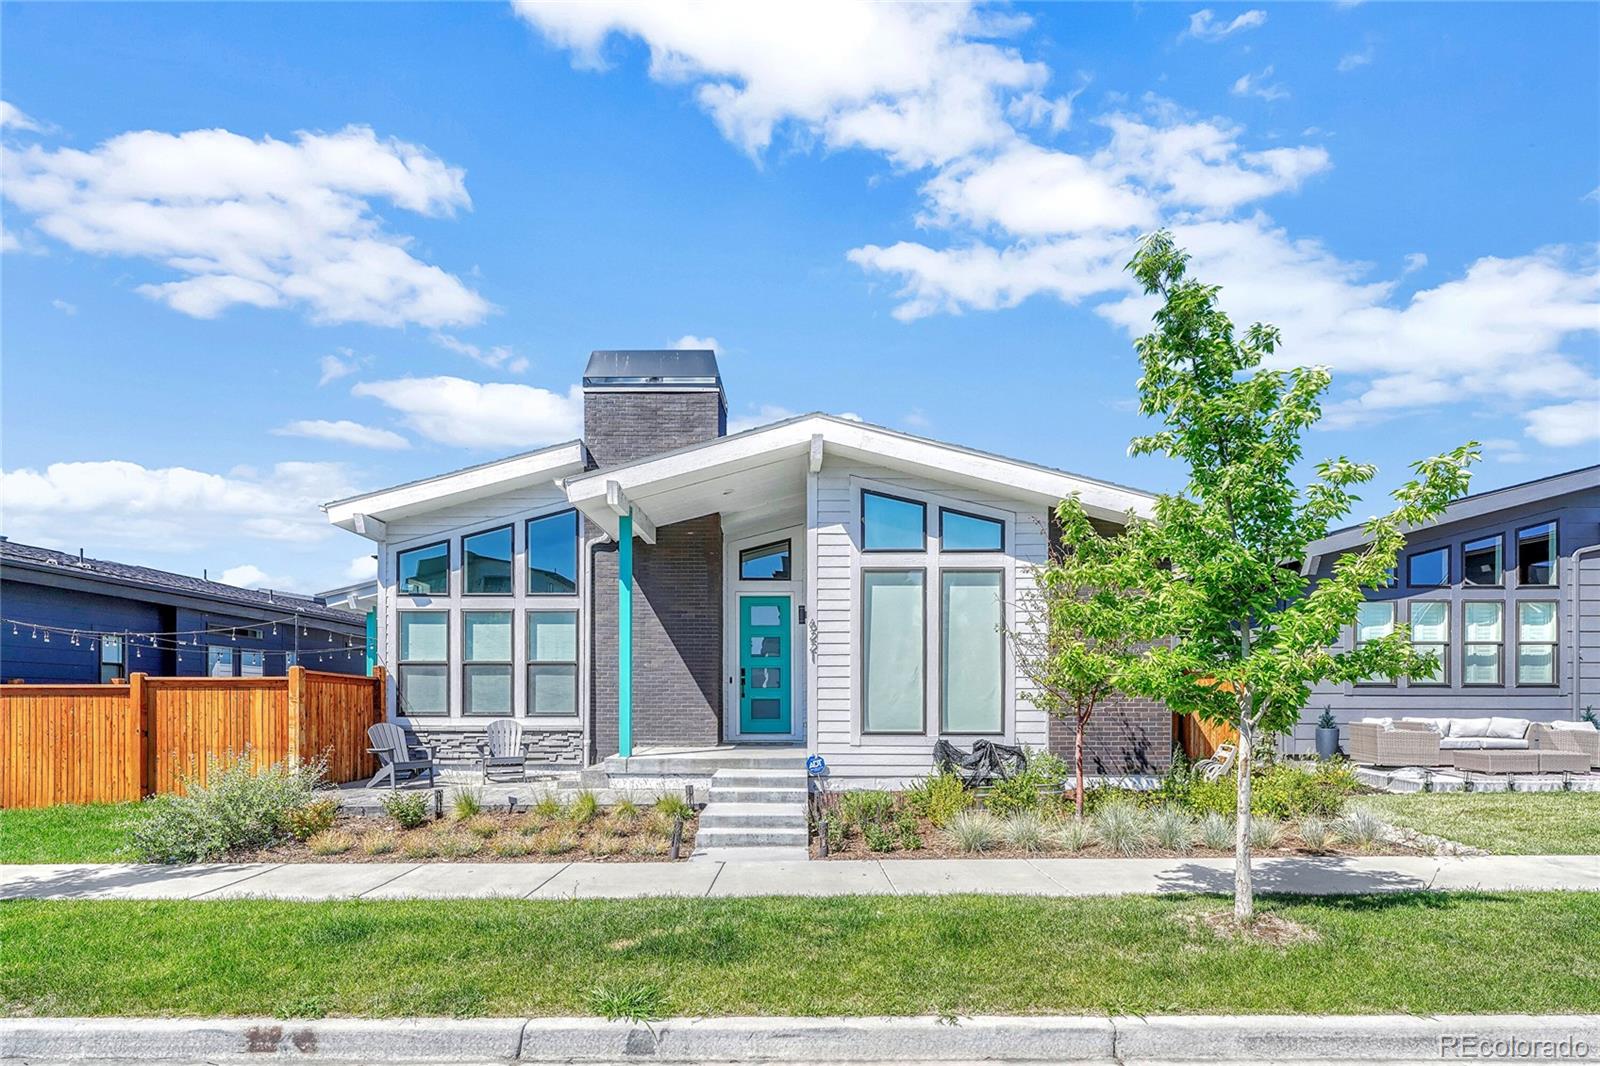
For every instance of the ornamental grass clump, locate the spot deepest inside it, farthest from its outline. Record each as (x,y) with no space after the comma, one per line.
(331,842)
(467,803)
(1361,828)
(511,846)
(1315,833)
(585,805)
(482,826)
(1173,829)
(973,832)
(382,842)
(240,807)
(1025,831)
(1072,834)
(1120,827)
(1265,833)
(1216,831)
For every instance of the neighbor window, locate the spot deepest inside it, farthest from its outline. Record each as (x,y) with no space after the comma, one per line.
(486,563)
(890,524)
(770,562)
(1481,562)
(1536,643)
(962,532)
(219,661)
(970,651)
(425,571)
(893,651)
(486,662)
(1374,620)
(1482,642)
(252,663)
(1536,554)
(1430,632)
(424,680)
(553,555)
(112,661)
(1429,568)
(553,662)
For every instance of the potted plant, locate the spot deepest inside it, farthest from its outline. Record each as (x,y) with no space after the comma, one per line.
(1327,734)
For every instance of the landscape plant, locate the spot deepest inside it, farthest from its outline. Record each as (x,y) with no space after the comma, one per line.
(408,809)
(939,798)
(1250,634)
(236,806)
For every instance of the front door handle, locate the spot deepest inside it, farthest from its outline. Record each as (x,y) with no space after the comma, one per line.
(741,682)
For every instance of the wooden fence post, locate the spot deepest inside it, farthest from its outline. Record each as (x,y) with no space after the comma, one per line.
(297,711)
(139,708)
(380,713)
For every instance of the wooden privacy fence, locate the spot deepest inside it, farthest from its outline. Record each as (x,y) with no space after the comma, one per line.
(109,743)
(1200,738)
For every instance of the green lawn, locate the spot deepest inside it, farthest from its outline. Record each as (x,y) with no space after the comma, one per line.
(1418,953)
(1506,823)
(93,833)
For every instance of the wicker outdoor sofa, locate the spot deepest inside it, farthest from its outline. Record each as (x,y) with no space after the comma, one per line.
(1484,745)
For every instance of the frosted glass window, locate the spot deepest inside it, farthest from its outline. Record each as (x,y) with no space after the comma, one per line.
(970,686)
(1430,632)
(893,660)
(553,636)
(424,678)
(486,563)
(892,524)
(961,532)
(486,672)
(487,635)
(1536,643)
(425,689)
(552,689)
(487,690)
(1373,621)
(1483,639)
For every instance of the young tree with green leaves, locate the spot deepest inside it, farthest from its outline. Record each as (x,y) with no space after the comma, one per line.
(1084,624)
(1251,634)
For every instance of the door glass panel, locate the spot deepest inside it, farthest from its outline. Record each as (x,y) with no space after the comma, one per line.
(765,614)
(766,677)
(764,647)
(892,651)
(765,710)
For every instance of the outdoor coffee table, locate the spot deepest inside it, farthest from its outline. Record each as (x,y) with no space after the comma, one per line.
(1499,761)
(1571,762)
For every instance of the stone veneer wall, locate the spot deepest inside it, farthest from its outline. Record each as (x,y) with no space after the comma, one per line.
(560,748)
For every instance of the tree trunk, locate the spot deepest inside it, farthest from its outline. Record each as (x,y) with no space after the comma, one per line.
(1077,763)
(1244,892)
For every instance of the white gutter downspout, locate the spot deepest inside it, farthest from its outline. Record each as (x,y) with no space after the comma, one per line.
(1577,645)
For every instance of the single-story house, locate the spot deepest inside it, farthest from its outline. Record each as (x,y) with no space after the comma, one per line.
(72,619)
(1505,589)
(820,584)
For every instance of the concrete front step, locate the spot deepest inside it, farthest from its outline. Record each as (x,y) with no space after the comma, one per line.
(753,816)
(720,793)
(707,837)
(735,777)
(708,762)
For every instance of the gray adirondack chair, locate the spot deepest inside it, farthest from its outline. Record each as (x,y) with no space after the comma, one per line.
(397,756)
(501,751)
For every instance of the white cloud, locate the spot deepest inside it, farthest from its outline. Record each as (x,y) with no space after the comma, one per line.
(1565,425)
(12,118)
(1414,262)
(690,342)
(917,420)
(347,362)
(498,357)
(921,83)
(759,415)
(263,223)
(1504,450)
(472,414)
(1258,85)
(122,504)
(344,431)
(361,568)
(64,307)
(1204,25)
(1352,60)
(250,576)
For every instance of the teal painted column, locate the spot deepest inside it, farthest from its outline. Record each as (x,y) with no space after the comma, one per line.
(372,640)
(625,634)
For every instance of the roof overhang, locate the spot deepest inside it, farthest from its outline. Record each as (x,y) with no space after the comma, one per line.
(369,513)
(770,461)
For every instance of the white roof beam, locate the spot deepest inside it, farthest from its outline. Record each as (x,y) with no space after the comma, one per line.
(620,505)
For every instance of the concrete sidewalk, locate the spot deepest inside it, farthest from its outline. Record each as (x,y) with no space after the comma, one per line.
(902,877)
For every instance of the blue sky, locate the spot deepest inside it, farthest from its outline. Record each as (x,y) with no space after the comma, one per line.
(262,256)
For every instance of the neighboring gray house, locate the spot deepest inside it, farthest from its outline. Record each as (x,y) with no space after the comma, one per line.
(1506,588)
(819,584)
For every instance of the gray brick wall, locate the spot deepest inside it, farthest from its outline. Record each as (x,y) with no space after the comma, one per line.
(619,427)
(677,639)
(1126,735)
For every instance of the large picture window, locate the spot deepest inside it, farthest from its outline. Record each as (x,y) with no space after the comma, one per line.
(890,524)
(893,651)
(424,678)
(425,571)
(1430,568)
(553,555)
(486,662)
(1430,632)
(486,563)
(1482,642)
(1536,642)
(1374,621)
(552,662)
(1481,561)
(970,685)
(1536,554)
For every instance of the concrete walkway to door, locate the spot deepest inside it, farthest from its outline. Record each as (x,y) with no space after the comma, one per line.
(907,877)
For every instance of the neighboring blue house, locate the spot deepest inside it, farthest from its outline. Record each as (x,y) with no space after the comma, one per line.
(1505,588)
(73,620)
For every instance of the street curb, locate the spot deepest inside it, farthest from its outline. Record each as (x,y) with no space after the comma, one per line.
(1121,1039)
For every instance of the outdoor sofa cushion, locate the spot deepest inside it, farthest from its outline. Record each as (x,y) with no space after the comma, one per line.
(1469,727)
(1509,728)
(1482,744)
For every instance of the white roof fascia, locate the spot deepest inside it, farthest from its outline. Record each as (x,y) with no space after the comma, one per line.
(367,513)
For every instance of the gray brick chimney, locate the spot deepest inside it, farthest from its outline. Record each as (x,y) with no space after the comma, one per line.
(639,403)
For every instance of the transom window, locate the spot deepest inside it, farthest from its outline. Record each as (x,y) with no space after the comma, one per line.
(1536,642)
(1374,620)
(1481,561)
(425,571)
(889,523)
(1430,632)
(553,555)
(1536,554)
(424,677)
(486,662)
(769,562)
(552,662)
(1482,642)
(962,532)
(486,563)
(1429,568)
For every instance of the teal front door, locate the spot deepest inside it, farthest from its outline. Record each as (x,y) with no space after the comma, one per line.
(765,685)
